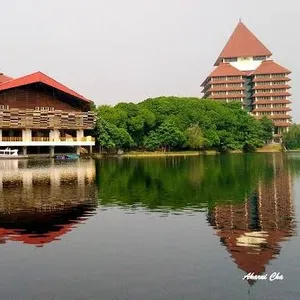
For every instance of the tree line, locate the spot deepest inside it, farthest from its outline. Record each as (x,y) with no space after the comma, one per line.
(176,123)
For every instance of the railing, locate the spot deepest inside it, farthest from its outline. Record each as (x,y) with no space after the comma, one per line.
(12,139)
(47,139)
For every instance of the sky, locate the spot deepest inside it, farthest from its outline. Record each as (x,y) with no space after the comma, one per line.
(114,51)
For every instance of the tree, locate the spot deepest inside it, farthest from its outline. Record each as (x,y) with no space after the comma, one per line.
(291,139)
(194,137)
(267,129)
(170,122)
(165,137)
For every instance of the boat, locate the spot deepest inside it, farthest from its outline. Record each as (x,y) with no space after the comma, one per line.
(67,157)
(10,153)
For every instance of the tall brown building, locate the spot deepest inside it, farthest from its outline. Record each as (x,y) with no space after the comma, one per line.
(245,73)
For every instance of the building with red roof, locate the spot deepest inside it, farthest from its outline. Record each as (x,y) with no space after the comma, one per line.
(245,73)
(40,114)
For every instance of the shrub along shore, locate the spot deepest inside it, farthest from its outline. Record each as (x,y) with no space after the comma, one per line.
(177,124)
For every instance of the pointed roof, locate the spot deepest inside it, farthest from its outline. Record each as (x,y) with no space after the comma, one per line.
(243,43)
(4,78)
(270,67)
(39,77)
(225,69)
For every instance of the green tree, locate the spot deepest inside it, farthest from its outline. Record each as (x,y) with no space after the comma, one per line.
(167,136)
(194,137)
(267,129)
(291,139)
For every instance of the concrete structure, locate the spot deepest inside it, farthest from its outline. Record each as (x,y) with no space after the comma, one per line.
(245,73)
(38,114)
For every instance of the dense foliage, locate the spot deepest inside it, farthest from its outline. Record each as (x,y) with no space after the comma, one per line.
(291,139)
(167,123)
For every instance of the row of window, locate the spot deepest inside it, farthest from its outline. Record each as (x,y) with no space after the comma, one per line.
(270,83)
(226,77)
(4,107)
(226,93)
(269,98)
(270,75)
(271,113)
(270,105)
(270,90)
(228,85)
(46,108)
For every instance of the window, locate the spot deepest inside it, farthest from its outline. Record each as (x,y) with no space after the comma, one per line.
(219,93)
(219,78)
(279,105)
(230,59)
(265,113)
(219,85)
(279,97)
(279,83)
(259,58)
(263,98)
(262,76)
(4,107)
(42,108)
(278,75)
(263,91)
(264,105)
(279,90)
(235,92)
(234,84)
(262,83)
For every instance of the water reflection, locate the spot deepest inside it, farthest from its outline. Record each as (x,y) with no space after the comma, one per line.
(253,231)
(40,201)
(247,198)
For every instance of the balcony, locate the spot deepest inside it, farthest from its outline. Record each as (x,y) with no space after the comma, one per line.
(46,141)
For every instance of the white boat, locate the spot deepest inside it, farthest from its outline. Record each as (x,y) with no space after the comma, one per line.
(10,153)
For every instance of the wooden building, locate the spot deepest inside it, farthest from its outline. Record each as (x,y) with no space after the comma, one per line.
(245,73)
(38,113)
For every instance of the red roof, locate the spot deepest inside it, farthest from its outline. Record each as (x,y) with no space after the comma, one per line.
(39,77)
(270,67)
(225,69)
(243,43)
(4,78)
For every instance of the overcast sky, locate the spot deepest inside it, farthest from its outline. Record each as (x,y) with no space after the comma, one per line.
(116,50)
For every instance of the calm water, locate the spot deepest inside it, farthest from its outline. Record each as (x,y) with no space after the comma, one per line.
(157,228)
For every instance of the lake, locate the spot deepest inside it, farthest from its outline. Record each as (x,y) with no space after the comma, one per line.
(151,228)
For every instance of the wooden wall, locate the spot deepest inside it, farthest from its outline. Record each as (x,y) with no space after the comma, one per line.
(29,98)
(33,119)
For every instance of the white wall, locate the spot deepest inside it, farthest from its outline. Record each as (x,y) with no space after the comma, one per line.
(246,63)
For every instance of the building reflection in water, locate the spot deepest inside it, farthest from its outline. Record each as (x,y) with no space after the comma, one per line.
(253,231)
(40,202)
